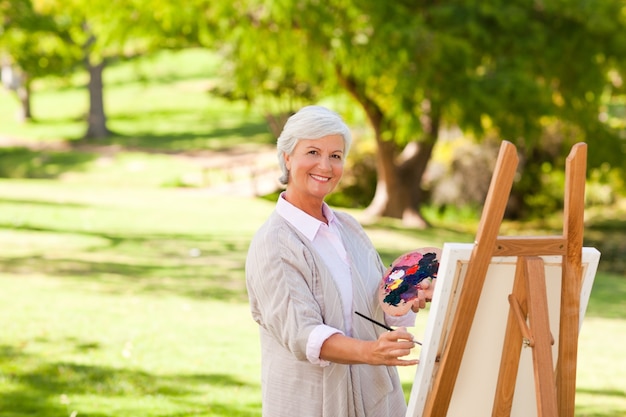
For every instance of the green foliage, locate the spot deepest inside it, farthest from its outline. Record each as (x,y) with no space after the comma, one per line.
(495,64)
(358,183)
(268,61)
(510,69)
(605,231)
(605,185)
(36,44)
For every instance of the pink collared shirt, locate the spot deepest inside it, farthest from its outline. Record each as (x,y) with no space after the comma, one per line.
(326,239)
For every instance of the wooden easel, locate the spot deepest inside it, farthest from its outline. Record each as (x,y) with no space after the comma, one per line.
(528,321)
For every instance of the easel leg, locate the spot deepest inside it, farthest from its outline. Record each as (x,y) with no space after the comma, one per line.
(529,299)
(512,348)
(574,213)
(539,323)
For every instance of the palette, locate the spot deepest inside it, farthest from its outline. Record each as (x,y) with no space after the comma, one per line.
(401,282)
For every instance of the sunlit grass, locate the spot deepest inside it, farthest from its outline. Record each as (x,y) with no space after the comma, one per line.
(73,347)
(120,314)
(118,301)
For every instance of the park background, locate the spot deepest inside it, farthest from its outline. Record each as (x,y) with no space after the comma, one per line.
(137,160)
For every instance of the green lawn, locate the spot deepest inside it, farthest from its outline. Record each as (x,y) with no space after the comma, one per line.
(120,302)
(126,301)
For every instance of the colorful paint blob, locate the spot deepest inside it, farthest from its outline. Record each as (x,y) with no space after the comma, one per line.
(401,282)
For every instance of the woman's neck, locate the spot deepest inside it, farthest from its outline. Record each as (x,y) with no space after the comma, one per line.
(312,207)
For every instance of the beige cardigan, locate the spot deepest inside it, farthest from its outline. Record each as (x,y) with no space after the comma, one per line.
(291,292)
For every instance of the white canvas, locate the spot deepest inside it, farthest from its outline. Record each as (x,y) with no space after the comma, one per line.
(476,382)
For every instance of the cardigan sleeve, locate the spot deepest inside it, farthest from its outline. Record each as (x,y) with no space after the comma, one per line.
(283,287)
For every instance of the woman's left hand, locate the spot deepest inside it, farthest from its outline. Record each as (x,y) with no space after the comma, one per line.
(424,295)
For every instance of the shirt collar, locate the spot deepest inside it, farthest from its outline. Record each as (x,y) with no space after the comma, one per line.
(303,222)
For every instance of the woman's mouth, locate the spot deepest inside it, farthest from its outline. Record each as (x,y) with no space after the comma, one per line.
(319,178)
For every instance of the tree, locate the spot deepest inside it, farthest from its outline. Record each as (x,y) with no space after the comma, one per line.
(265,64)
(33,45)
(503,67)
(96,33)
(99,29)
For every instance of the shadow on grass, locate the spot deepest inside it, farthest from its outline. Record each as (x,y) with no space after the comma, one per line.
(603,404)
(214,138)
(21,162)
(603,392)
(228,410)
(45,389)
(45,203)
(25,162)
(200,267)
(210,133)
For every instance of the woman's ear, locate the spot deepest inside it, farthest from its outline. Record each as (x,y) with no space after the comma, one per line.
(287,161)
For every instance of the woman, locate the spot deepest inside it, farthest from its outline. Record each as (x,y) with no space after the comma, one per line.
(308,270)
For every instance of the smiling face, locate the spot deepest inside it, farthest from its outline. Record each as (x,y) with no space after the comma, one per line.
(315,168)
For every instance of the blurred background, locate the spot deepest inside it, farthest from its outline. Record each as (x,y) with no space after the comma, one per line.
(137,159)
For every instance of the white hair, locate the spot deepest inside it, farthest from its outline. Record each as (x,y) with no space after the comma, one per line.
(310,122)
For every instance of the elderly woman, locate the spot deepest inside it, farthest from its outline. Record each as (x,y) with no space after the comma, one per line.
(309,268)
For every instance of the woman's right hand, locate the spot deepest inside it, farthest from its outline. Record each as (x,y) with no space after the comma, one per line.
(391,347)
(387,350)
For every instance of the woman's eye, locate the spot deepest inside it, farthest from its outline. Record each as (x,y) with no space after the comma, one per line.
(337,157)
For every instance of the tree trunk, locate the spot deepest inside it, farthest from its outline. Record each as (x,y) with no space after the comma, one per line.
(23,94)
(96,118)
(399,193)
(411,172)
(398,189)
(276,121)
(16,80)
(389,199)
(415,159)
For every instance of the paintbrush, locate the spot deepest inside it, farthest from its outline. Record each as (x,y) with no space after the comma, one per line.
(384,326)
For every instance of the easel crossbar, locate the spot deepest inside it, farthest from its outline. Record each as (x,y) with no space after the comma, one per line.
(530,246)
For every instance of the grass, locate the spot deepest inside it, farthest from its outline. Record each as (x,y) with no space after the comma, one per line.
(86,349)
(117,302)
(123,295)
(117,308)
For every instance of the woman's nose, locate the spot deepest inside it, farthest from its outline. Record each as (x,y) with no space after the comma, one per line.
(325,162)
